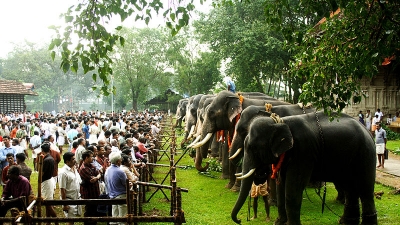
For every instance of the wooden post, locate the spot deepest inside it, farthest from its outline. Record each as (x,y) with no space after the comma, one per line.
(128,200)
(39,197)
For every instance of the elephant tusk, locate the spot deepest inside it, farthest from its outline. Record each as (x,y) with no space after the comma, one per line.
(191,132)
(194,142)
(178,117)
(236,153)
(238,174)
(201,143)
(246,175)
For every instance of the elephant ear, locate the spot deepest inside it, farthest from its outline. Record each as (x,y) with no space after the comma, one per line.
(281,139)
(233,106)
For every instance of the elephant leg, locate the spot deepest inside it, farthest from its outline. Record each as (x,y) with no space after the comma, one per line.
(232,178)
(280,197)
(369,216)
(272,192)
(340,197)
(295,184)
(351,213)
(214,147)
(225,161)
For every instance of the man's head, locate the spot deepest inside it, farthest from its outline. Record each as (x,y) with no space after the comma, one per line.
(101,143)
(51,138)
(378,126)
(15,142)
(20,157)
(81,141)
(13,172)
(107,134)
(126,160)
(129,142)
(101,151)
(10,158)
(69,159)
(87,157)
(92,148)
(6,141)
(45,147)
(115,158)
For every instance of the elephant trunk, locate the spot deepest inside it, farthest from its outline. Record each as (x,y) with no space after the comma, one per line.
(199,160)
(244,192)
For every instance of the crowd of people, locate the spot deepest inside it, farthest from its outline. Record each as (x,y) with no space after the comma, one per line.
(100,152)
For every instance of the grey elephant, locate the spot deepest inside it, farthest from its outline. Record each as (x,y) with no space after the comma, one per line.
(310,147)
(252,112)
(221,115)
(181,112)
(191,117)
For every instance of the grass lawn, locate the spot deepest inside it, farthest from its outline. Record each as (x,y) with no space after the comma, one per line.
(208,202)
(394,146)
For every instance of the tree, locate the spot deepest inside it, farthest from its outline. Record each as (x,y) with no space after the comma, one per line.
(239,35)
(86,21)
(349,47)
(141,65)
(196,69)
(332,56)
(31,63)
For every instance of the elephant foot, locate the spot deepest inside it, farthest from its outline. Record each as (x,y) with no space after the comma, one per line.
(225,176)
(229,185)
(235,188)
(369,219)
(340,199)
(280,221)
(349,221)
(351,214)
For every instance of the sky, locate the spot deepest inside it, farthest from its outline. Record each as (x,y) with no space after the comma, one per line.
(29,20)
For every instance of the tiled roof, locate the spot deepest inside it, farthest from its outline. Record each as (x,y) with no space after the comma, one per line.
(14,87)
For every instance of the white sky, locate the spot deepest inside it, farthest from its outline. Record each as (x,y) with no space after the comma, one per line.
(29,20)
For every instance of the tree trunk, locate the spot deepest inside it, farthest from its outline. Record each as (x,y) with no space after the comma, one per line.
(279,87)
(269,86)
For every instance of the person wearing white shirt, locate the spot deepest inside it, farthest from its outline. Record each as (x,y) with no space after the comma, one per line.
(18,148)
(379,113)
(34,145)
(375,120)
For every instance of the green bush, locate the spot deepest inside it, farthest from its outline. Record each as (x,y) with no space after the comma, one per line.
(391,135)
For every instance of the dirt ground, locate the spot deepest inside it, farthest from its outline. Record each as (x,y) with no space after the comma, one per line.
(388,179)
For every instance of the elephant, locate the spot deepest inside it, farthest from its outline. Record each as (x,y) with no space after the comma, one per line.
(310,147)
(202,152)
(191,117)
(181,112)
(250,113)
(221,116)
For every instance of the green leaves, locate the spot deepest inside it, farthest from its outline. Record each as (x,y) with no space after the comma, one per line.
(96,44)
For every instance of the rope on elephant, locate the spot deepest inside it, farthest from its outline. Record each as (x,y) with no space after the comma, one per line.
(268,107)
(276,167)
(275,117)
